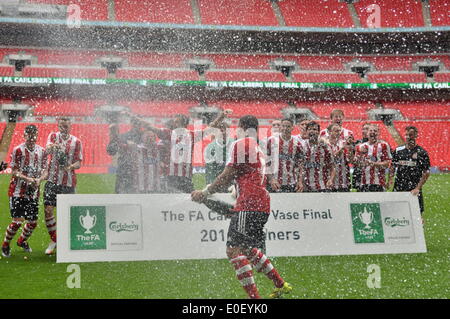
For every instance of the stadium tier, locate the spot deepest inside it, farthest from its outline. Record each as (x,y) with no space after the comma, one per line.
(397,77)
(392,14)
(245,76)
(64,72)
(301,13)
(327,77)
(439,10)
(421,110)
(157,74)
(6,70)
(442,76)
(294,13)
(168,11)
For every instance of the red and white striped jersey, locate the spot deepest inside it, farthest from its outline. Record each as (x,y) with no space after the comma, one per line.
(378,152)
(283,158)
(341,165)
(31,163)
(73,150)
(316,166)
(146,171)
(248,159)
(344,134)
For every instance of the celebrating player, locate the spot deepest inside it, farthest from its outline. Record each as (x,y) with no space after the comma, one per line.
(245,234)
(317,170)
(373,157)
(337,117)
(410,166)
(29,168)
(343,153)
(283,152)
(356,177)
(66,155)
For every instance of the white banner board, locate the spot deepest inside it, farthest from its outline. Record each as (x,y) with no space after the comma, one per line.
(171,226)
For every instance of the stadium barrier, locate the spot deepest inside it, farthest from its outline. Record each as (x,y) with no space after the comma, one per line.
(170,226)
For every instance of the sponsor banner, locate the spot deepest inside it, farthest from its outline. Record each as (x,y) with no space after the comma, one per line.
(171,226)
(45,81)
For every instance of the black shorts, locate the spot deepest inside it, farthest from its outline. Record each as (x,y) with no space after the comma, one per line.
(340,190)
(247,230)
(21,207)
(371,188)
(51,190)
(283,189)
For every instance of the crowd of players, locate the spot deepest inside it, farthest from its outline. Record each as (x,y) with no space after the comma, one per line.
(159,160)
(152,159)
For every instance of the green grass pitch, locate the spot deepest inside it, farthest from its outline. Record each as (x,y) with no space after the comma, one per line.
(402,275)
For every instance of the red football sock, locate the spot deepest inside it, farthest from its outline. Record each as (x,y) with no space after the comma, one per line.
(263,264)
(245,275)
(11,231)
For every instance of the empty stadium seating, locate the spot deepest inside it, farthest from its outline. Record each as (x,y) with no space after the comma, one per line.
(245,76)
(92,10)
(439,10)
(421,110)
(156,74)
(319,13)
(397,77)
(392,14)
(53,71)
(327,77)
(6,70)
(237,12)
(352,111)
(168,11)
(442,77)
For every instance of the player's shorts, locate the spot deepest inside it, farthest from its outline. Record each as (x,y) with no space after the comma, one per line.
(21,207)
(340,190)
(283,189)
(51,190)
(246,230)
(372,188)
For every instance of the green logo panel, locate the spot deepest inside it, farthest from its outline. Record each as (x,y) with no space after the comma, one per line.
(87,227)
(367,223)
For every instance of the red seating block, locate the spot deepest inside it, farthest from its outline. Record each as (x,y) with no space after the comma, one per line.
(397,77)
(64,72)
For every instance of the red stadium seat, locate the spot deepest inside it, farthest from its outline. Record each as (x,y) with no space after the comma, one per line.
(421,110)
(167,11)
(184,75)
(42,71)
(6,70)
(90,10)
(397,77)
(439,10)
(442,77)
(245,76)
(237,12)
(352,111)
(393,14)
(318,13)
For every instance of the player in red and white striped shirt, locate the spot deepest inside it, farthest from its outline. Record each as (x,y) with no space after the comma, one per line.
(29,168)
(303,133)
(374,157)
(343,153)
(182,143)
(283,152)
(246,165)
(317,167)
(337,117)
(66,155)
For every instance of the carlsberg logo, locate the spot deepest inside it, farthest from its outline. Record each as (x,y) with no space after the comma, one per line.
(119,227)
(392,222)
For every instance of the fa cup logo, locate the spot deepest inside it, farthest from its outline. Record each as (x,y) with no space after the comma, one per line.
(88,222)
(366,218)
